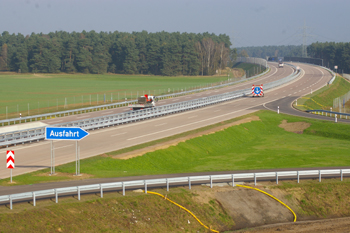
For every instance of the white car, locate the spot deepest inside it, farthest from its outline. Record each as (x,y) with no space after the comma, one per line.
(280,65)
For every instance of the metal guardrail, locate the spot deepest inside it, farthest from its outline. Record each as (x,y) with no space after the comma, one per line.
(325,112)
(303,60)
(4,199)
(20,120)
(36,134)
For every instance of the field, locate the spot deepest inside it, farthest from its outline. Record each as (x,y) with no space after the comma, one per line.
(39,93)
(258,144)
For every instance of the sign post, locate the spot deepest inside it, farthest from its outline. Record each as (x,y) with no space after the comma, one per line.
(65,133)
(10,161)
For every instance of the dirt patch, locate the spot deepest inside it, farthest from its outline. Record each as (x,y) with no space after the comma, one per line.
(237,73)
(326,226)
(295,127)
(174,142)
(249,208)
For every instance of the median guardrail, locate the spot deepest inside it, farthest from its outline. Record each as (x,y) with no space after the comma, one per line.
(20,120)
(166,182)
(36,134)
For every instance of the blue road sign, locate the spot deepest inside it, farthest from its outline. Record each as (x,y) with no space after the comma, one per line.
(67,133)
(257,90)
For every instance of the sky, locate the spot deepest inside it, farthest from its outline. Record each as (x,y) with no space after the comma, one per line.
(247,22)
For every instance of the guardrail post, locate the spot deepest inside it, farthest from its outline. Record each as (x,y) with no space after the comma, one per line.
(319,175)
(145,186)
(335,118)
(298,176)
(211,182)
(276,177)
(233,180)
(254,179)
(341,175)
(101,191)
(10,202)
(167,185)
(78,193)
(189,182)
(56,196)
(34,199)
(123,188)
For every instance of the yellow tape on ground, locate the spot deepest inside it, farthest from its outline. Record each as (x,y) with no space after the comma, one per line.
(183,209)
(313,100)
(295,217)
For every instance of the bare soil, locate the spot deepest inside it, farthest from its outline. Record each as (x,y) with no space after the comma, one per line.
(316,226)
(295,127)
(174,142)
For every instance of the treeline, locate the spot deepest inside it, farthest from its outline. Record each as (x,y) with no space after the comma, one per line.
(160,53)
(270,51)
(333,54)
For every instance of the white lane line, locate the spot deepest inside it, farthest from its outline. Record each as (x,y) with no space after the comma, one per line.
(289,94)
(192,117)
(83,116)
(54,121)
(117,134)
(56,148)
(161,124)
(107,112)
(217,110)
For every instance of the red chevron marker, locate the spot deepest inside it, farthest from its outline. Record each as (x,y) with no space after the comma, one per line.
(10,160)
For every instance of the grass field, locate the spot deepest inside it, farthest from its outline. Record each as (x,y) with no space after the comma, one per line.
(255,145)
(51,92)
(323,98)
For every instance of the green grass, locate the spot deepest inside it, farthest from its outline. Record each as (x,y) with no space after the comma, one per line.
(47,92)
(135,212)
(323,98)
(330,198)
(255,145)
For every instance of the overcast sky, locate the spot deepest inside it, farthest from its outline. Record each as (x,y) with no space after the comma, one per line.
(247,22)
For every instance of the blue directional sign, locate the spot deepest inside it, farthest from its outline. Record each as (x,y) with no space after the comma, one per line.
(257,90)
(67,133)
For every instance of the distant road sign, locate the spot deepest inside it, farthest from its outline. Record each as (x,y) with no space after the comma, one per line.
(67,133)
(10,159)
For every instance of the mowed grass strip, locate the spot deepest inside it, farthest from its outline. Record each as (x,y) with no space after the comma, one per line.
(255,145)
(323,98)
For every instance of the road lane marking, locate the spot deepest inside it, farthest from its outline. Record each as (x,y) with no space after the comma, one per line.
(217,110)
(83,116)
(107,112)
(192,117)
(208,119)
(117,134)
(161,124)
(56,148)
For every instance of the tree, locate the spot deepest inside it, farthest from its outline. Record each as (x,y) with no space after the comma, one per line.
(3,57)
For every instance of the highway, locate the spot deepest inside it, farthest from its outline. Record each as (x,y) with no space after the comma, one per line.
(31,157)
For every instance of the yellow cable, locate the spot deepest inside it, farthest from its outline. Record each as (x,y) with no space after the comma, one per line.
(183,209)
(295,217)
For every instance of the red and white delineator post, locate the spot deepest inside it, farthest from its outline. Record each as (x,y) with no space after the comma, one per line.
(257,90)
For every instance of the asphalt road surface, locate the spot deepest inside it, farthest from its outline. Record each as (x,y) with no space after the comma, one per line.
(31,157)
